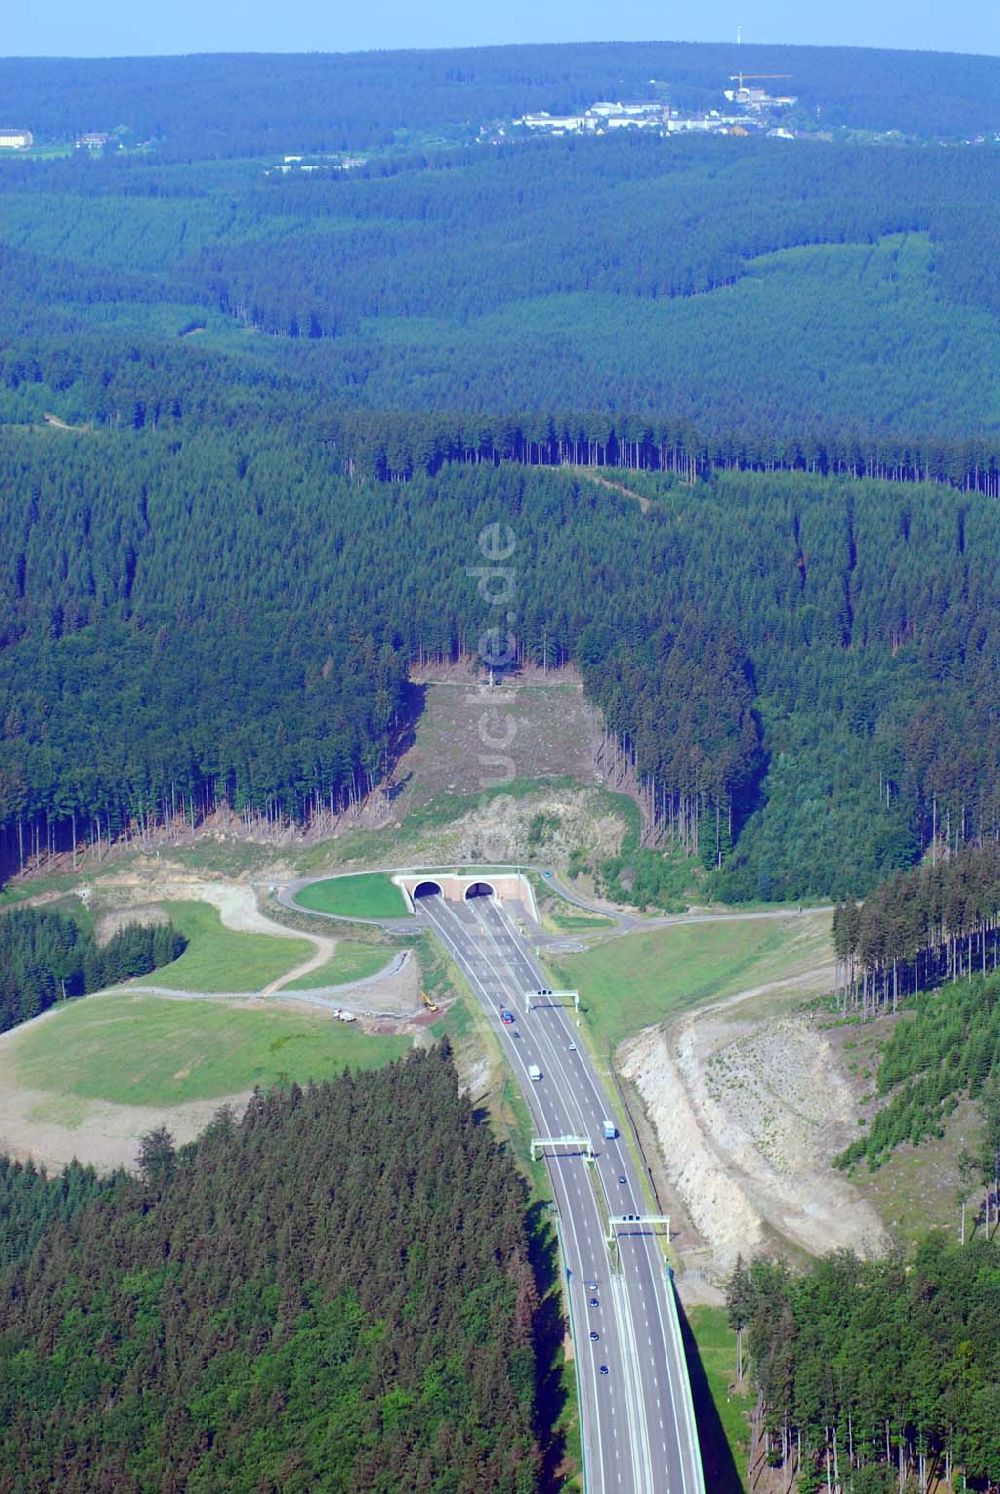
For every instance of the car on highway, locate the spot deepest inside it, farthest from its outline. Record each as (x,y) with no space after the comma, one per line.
(594,1336)
(506,1017)
(622,1179)
(572,1047)
(604,1369)
(594,1302)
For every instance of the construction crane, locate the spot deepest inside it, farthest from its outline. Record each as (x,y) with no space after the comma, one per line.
(738,79)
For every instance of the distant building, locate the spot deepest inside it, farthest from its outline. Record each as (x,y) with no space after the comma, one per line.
(602,116)
(753,110)
(16,139)
(759,98)
(557,124)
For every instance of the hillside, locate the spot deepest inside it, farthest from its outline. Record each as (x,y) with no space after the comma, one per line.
(259,425)
(278,1265)
(227,106)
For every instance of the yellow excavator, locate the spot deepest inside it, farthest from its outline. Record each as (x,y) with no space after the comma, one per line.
(431,1006)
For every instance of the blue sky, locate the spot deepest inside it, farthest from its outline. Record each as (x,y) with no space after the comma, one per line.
(115,28)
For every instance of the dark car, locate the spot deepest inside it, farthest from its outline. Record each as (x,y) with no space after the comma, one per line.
(594,1336)
(623,1179)
(594,1302)
(604,1369)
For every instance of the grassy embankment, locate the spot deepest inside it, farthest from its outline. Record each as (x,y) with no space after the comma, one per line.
(350,962)
(368,895)
(722,1415)
(219,959)
(629,982)
(557,916)
(136,1049)
(636,979)
(130,1047)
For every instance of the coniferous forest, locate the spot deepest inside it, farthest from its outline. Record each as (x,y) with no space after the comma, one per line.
(333,1293)
(46,957)
(255,417)
(871,1374)
(271,360)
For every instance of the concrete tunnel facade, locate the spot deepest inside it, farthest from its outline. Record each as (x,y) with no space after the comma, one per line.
(455,888)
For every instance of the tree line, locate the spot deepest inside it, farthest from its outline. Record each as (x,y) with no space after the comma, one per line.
(391,449)
(335,1291)
(221,107)
(947,1049)
(937,922)
(222,622)
(47,957)
(877,1375)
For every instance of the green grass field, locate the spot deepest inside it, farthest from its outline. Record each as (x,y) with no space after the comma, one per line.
(217,959)
(717,1350)
(630,982)
(368,895)
(133,1048)
(350,962)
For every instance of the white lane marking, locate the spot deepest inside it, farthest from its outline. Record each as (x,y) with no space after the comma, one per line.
(643,1464)
(528,1088)
(536,980)
(638,1432)
(671,1340)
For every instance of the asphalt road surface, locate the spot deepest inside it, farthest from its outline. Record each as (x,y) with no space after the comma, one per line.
(637,1419)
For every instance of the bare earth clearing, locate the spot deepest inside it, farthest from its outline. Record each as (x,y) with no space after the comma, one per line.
(545,727)
(748,1109)
(52,1132)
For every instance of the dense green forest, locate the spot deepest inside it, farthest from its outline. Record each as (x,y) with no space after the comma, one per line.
(301,396)
(871,1373)
(750,288)
(937,922)
(47,957)
(30,1202)
(842,712)
(335,1292)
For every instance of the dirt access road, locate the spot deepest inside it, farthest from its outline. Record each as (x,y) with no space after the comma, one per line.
(749,1109)
(52,1129)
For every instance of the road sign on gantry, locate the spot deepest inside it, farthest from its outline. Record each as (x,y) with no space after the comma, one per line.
(635,1221)
(582,1143)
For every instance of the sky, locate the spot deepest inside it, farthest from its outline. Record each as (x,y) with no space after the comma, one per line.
(120,28)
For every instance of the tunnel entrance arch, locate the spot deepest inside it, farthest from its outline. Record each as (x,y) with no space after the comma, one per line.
(427,889)
(460,887)
(479,889)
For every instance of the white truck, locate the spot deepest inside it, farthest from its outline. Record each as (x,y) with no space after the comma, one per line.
(534,1072)
(610,1130)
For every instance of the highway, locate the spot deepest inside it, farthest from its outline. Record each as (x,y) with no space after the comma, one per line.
(637,1420)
